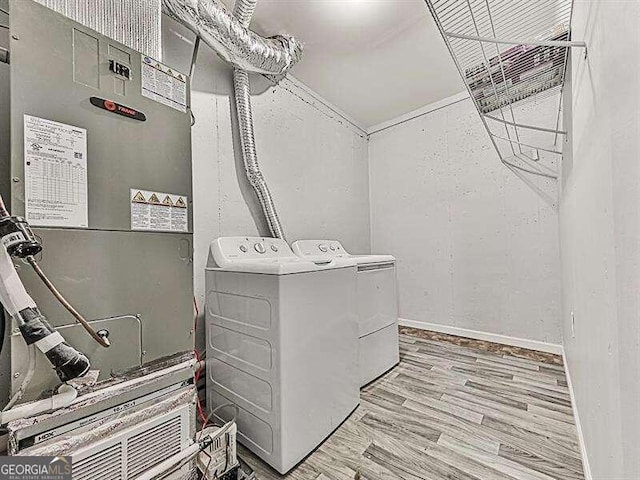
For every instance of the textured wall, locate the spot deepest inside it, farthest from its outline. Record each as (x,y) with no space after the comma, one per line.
(600,236)
(476,248)
(314,161)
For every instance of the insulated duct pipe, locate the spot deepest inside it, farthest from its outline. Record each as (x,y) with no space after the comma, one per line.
(229,35)
(243,11)
(250,154)
(232,39)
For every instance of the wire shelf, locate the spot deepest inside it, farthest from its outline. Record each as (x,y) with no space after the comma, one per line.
(512,56)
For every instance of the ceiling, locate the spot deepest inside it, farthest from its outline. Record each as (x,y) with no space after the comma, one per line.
(373,59)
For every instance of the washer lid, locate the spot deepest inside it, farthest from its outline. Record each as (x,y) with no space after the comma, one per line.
(331,249)
(265,255)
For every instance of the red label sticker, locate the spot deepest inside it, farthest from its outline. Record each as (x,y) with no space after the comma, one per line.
(116,108)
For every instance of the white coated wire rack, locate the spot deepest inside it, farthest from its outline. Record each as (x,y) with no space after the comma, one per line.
(512,57)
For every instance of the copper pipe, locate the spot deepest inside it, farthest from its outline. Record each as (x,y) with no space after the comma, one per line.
(103,341)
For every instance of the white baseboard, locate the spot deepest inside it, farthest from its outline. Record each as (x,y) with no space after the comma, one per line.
(516,342)
(576,418)
(486,336)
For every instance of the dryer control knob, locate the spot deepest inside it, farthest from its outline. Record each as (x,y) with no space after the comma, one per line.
(333,248)
(323,247)
(243,249)
(259,247)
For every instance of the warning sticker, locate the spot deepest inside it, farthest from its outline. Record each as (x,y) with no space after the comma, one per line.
(160,212)
(164,85)
(55,166)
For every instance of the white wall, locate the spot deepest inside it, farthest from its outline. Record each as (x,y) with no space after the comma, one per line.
(314,160)
(476,248)
(600,236)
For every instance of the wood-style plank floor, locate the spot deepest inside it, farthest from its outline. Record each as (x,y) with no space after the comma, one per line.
(455,412)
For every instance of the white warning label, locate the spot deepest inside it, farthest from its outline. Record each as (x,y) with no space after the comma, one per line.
(163,84)
(156,211)
(55,169)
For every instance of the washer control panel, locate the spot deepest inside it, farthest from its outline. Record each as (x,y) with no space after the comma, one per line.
(250,248)
(319,248)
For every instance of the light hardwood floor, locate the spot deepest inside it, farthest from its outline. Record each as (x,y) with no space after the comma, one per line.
(452,412)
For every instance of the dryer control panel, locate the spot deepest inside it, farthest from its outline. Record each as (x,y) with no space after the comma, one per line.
(267,256)
(319,249)
(230,249)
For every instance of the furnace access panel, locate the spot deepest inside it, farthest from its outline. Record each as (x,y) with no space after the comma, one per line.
(101,168)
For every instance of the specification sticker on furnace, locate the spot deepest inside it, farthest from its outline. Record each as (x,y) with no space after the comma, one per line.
(55,169)
(163,84)
(160,212)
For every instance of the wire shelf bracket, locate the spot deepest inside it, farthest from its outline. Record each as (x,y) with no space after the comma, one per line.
(515,84)
(538,43)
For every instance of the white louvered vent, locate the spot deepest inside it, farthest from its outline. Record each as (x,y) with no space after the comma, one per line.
(105,465)
(134,23)
(154,444)
(125,454)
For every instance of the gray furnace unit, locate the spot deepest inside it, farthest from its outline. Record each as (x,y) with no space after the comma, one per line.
(101,168)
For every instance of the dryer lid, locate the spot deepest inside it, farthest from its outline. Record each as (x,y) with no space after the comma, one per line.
(332,249)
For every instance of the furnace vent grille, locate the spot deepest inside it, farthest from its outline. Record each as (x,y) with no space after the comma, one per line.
(156,443)
(128,453)
(105,465)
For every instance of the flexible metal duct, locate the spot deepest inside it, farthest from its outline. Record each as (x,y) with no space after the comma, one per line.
(249,153)
(230,37)
(243,11)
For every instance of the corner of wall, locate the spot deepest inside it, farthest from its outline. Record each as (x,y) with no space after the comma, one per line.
(576,416)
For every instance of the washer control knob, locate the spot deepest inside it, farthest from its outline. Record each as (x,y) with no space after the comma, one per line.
(243,248)
(259,247)
(333,248)
(323,248)
(274,248)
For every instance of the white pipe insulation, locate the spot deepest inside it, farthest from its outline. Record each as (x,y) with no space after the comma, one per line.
(65,397)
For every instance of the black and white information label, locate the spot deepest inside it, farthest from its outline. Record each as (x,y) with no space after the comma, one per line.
(157,211)
(55,168)
(163,84)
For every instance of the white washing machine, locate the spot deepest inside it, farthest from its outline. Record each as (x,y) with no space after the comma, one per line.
(281,344)
(377,304)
